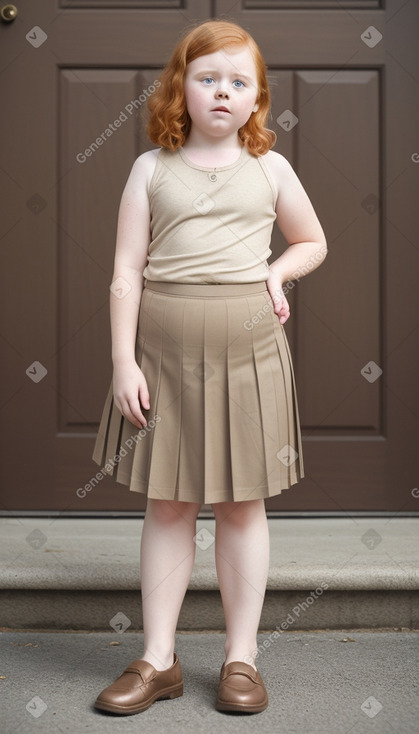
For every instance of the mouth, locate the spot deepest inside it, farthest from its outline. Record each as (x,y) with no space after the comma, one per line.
(220,109)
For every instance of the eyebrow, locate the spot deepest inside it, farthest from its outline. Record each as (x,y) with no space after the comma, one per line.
(235,73)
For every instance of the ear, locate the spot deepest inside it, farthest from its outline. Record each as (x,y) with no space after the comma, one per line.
(255,108)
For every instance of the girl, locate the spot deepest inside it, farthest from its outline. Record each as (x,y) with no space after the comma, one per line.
(203,405)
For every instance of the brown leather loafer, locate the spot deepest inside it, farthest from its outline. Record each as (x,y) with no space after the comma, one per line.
(139,686)
(241,689)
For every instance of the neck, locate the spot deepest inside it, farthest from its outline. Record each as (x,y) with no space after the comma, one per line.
(215,153)
(201,143)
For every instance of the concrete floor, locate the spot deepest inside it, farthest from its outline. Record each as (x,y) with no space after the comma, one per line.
(333,682)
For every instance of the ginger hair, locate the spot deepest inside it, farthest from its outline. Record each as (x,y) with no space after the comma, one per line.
(169,122)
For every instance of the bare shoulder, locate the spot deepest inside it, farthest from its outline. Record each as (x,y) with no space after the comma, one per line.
(143,168)
(279,167)
(148,158)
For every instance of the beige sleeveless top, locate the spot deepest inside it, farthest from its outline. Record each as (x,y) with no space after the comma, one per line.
(210,225)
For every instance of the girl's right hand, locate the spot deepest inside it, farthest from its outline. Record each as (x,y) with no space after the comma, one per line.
(130,392)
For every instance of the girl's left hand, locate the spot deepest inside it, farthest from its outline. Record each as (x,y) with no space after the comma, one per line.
(280,303)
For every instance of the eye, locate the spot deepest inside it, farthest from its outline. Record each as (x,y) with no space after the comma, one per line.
(206,79)
(240,82)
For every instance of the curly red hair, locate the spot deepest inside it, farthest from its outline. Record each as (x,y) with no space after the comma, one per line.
(169,122)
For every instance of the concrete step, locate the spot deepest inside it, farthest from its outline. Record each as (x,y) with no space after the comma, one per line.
(325,573)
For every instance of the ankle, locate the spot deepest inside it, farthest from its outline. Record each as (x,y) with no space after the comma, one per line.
(159,660)
(241,654)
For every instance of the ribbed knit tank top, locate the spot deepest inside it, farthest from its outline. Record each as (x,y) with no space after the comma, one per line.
(210,225)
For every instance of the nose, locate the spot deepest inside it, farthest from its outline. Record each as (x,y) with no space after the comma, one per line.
(221,92)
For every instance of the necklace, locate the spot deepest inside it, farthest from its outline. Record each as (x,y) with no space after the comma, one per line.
(212,175)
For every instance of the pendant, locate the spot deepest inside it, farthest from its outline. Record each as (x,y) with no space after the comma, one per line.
(212,177)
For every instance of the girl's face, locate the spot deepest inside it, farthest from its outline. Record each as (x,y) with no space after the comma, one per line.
(221,79)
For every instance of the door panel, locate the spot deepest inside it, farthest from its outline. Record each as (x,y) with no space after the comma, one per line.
(338,145)
(99,114)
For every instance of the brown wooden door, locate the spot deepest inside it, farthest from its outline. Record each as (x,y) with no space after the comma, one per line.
(76,75)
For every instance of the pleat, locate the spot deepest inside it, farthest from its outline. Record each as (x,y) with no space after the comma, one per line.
(190,483)
(293,433)
(217,462)
(106,449)
(292,471)
(114,432)
(103,431)
(270,389)
(167,363)
(245,421)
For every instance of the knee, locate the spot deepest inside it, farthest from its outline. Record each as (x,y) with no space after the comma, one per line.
(238,514)
(171,511)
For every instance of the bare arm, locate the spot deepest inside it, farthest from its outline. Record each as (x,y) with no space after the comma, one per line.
(132,242)
(301,228)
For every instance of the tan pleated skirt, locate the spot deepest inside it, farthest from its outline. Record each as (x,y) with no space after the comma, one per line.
(223,421)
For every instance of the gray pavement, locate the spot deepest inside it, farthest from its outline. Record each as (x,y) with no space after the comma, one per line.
(337,682)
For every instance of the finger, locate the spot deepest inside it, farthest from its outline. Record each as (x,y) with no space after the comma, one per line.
(132,419)
(144,397)
(132,415)
(134,409)
(280,305)
(284,316)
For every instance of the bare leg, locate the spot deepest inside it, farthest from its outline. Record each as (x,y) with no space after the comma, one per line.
(166,562)
(242,563)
